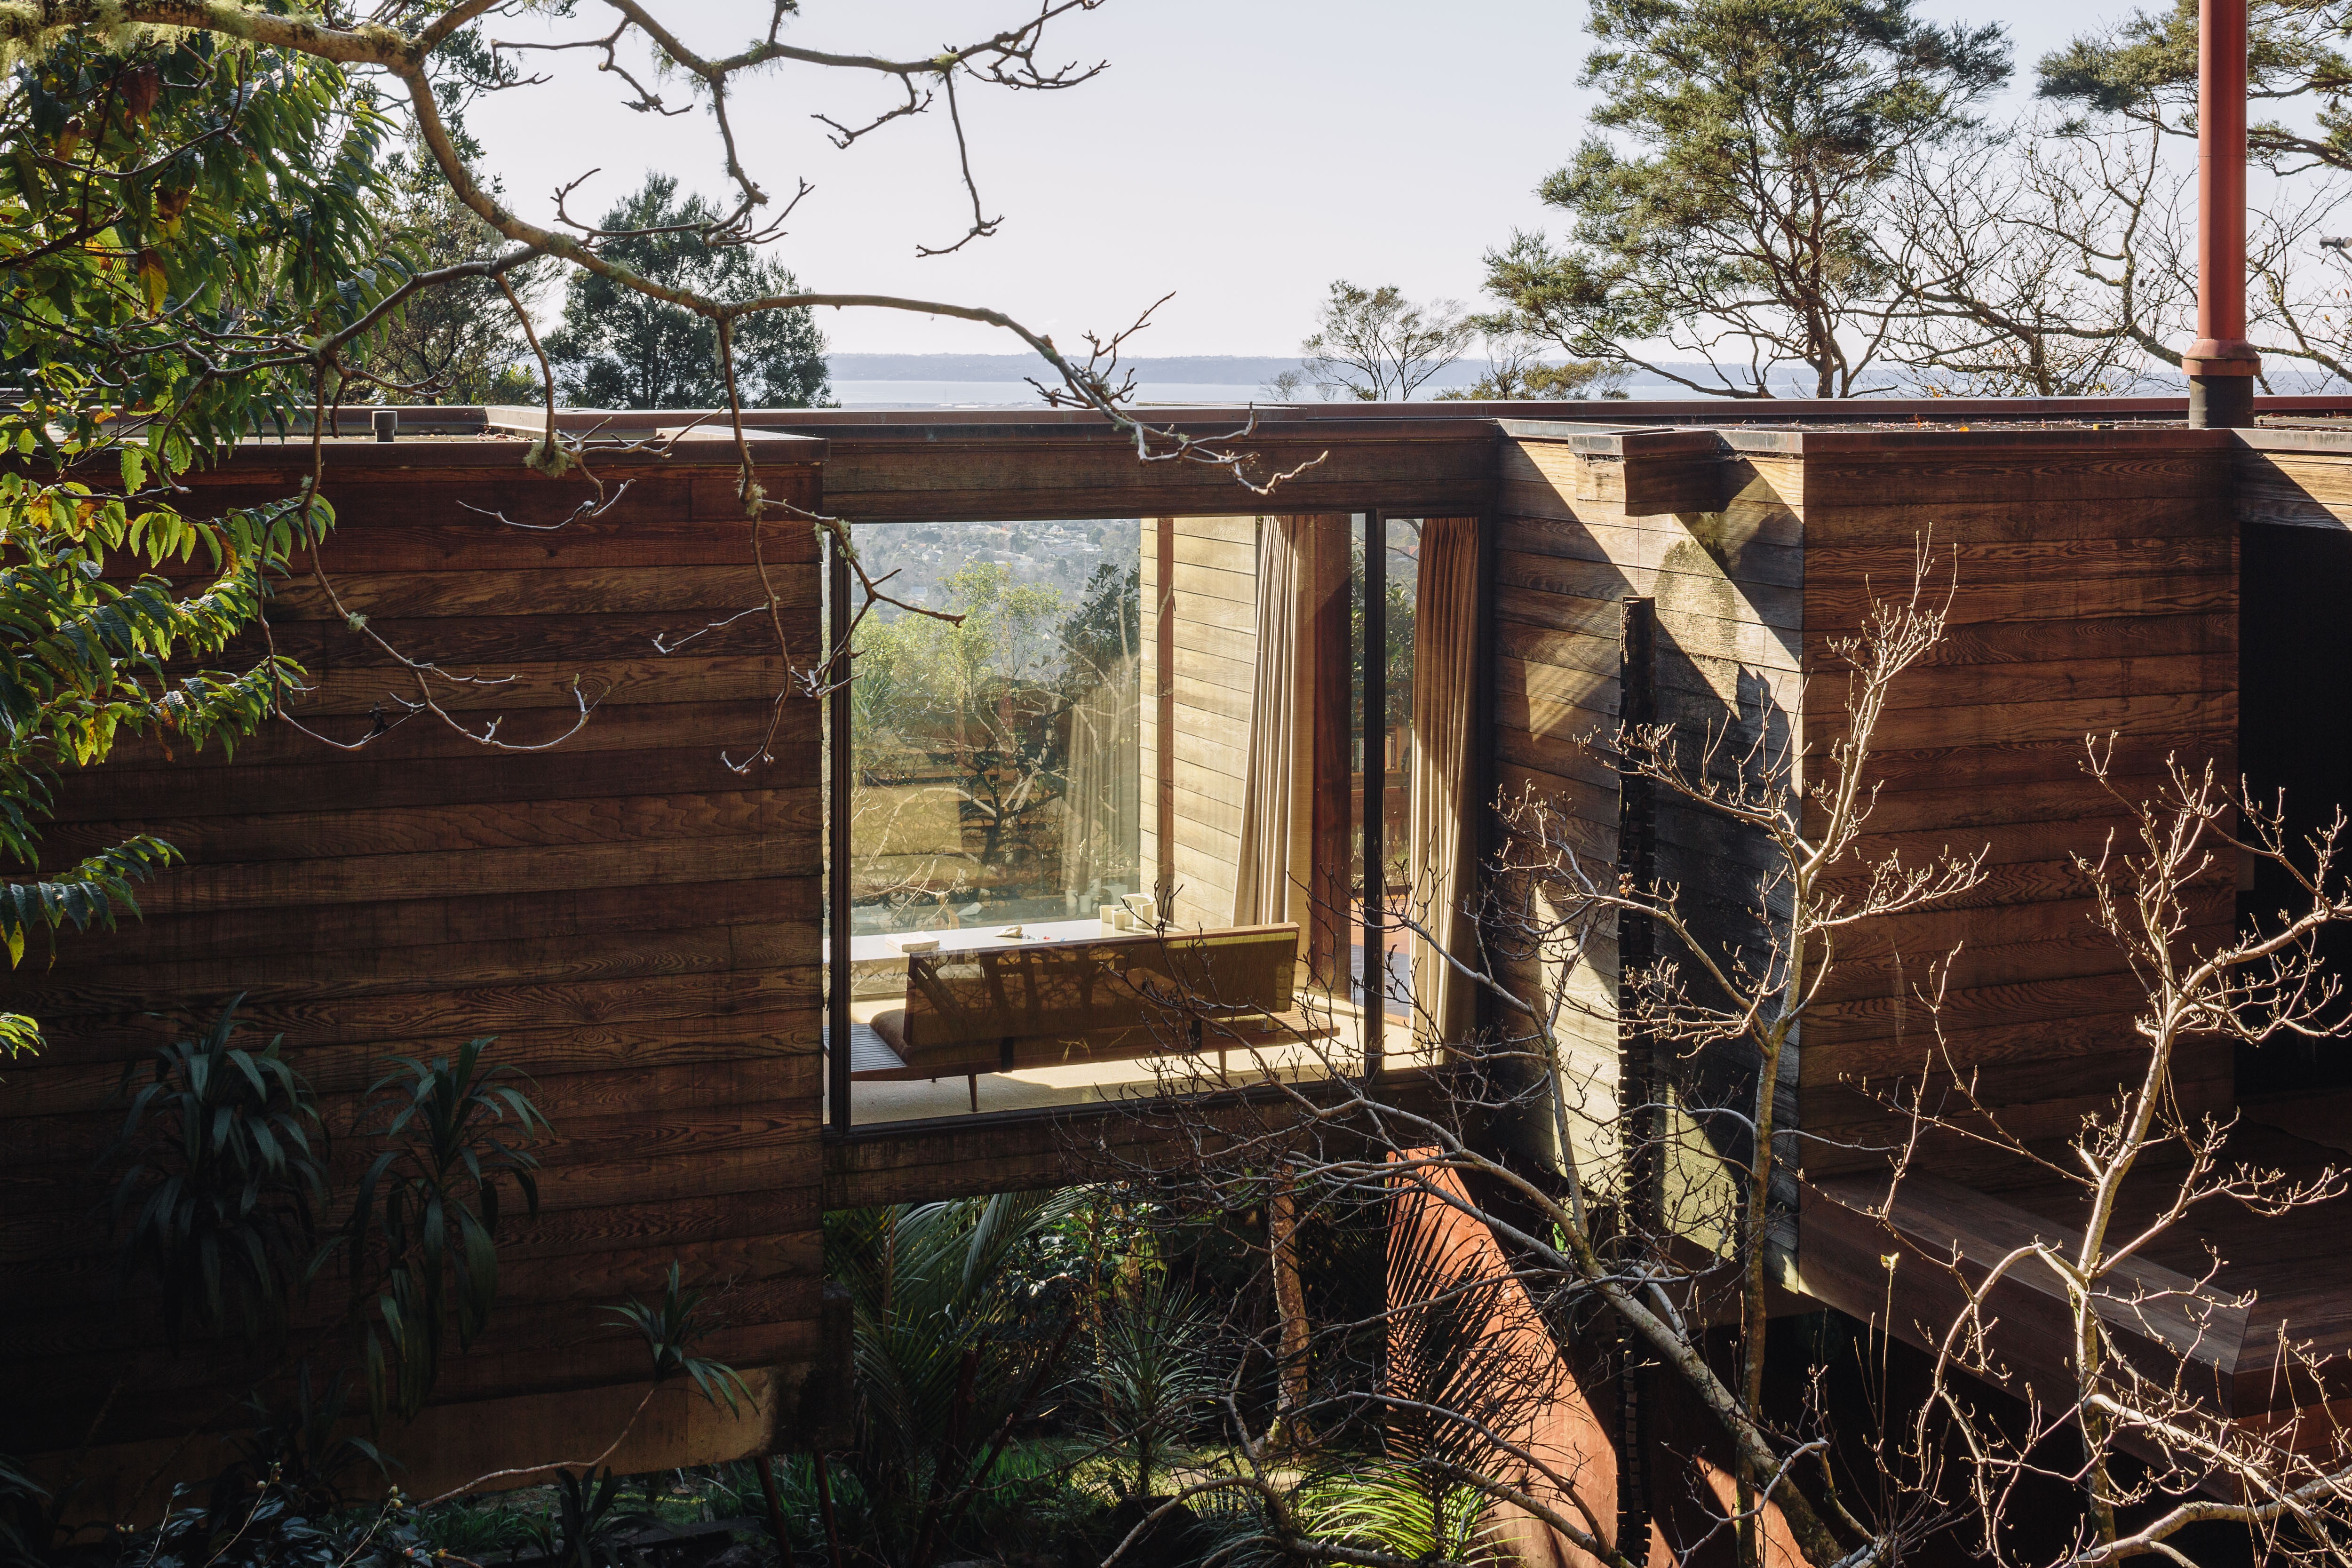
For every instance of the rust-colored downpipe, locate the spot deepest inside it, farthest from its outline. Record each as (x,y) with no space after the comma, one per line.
(2221,365)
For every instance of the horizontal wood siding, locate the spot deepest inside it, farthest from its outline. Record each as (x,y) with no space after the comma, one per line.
(1728,595)
(1213,606)
(637,921)
(2095,593)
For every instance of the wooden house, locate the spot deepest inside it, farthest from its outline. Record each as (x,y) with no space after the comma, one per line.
(640,919)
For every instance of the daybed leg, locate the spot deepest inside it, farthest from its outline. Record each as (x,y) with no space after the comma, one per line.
(975,1081)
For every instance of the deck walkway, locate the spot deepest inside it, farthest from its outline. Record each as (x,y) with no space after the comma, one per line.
(2247,1300)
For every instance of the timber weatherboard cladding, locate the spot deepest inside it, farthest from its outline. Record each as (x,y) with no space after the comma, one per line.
(639,923)
(2095,592)
(636,922)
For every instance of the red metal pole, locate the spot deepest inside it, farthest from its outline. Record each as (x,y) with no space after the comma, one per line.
(2221,363)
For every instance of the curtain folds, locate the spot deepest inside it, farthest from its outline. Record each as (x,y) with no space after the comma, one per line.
(1444,818)
(1262,877)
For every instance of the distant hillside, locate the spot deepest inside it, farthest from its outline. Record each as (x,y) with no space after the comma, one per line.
(1208,370)
(1174,370)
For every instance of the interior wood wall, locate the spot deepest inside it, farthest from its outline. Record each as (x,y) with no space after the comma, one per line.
(1211,607)
(636,922)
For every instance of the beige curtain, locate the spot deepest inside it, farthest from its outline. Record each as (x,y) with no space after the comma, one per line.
(1262,878)
(1445,819)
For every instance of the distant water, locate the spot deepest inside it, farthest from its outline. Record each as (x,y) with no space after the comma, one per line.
(880,394)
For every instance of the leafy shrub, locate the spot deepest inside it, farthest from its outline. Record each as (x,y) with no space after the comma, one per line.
(585,1528)
(671,1330)
(300,1447)
(25,1523)
(221,1181)
(426,1216)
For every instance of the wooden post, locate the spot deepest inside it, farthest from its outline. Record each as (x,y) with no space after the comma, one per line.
(1375,785)
(2221,364)
(766,1465)
(841,777)
(1640,1085)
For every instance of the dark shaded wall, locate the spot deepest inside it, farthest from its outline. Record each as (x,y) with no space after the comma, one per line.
(636,922)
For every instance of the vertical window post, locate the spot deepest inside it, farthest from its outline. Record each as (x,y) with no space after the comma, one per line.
(840,772)
(1375,785)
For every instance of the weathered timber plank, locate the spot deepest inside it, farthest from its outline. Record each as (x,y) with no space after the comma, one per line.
(322,836)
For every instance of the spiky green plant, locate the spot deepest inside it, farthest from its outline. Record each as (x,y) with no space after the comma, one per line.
(1404,1510)
(950,1337)
(223,1181)
(584,1530)
(424,1225)
(1155,1371)
(672,1327)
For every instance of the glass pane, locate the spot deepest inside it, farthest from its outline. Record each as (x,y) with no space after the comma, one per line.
(1403,592)
(997,771)
(1400,559)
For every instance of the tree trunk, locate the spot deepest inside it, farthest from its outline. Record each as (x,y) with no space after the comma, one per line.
(1290,1307)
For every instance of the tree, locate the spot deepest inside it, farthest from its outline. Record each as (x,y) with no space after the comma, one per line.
(459,344)
(968,708)
(2138,78)
(1550,1235)
(1372,345)
(2144,67)
(198,243)
(173,214)
(956,1345)
(622,349)
(1736,213)
(1515,371)
(2041,261)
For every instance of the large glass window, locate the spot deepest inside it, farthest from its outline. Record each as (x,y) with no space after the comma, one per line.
(1122,748)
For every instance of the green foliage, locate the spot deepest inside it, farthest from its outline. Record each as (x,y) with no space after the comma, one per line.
(671,1329)
(473,1528)
(2144,67)
(178,219)
(263,1528)
(300,1447)
(973,705)
(1402,1511)
(173,211)
(25,1520)
(1734,213)
(1521,376)
(622,349)
(423,1224)
(1372,345)
(1155,1371)
(585,1529)
(459,343)
(950,1337)
(1105,628)
(224,1181)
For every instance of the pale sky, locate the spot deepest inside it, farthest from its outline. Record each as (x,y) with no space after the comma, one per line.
(1242,154)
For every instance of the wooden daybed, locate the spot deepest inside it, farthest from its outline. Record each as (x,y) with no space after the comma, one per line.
(1046,1004)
